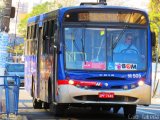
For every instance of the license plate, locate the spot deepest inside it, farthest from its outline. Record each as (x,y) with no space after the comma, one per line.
(106,95)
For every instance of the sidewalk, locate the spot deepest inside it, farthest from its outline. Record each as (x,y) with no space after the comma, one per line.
(155,100)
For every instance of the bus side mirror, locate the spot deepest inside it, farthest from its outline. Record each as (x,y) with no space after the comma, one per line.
(153,38)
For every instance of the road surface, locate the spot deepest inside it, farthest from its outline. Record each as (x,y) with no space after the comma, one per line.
(26,112)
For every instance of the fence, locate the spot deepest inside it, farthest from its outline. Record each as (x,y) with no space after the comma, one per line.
(9,94)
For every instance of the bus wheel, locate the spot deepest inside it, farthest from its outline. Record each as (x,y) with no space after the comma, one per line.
(96,108)
(37,104)
(58,110)
(32,88)
(46,105)
(116,109)
(104,108)
(129,110)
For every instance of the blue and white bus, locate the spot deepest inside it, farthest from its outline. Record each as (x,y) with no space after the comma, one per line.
(70,59)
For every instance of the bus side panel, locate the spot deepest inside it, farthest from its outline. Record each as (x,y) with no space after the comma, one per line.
(30,73)
(28,76)
(34,74)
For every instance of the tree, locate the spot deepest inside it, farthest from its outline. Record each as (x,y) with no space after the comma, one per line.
(18,50)
(42,8)
(154,15)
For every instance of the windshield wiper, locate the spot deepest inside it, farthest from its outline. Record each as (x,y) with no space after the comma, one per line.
(122,32)
(83,45)
(101,44)
(119,36)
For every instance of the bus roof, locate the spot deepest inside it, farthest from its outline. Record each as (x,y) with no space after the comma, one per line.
(63,10)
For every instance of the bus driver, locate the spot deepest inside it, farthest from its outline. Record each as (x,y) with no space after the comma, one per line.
(127,47)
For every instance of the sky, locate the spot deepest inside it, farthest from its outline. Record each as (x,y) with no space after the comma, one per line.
(141,4)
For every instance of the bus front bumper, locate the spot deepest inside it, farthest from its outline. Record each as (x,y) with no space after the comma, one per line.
(140,95)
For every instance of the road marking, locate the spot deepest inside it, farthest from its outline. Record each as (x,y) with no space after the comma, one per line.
(146,112)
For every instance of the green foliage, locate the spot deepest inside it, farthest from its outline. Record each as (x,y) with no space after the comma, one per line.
(154,16)
(42,8)
(18,50)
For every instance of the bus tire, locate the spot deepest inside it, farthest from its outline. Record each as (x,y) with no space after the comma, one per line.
(129,110)
(58,110)
(46,105)
(116,109)
(106,108)
(49,91)
(32,91)
(96,108)
(37,104)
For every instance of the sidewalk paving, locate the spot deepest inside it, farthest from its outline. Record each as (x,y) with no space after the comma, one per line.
(155,100)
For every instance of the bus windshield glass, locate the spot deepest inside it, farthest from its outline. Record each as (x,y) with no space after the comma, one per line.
(105,49)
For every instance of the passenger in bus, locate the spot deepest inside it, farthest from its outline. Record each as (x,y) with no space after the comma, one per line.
(127,47)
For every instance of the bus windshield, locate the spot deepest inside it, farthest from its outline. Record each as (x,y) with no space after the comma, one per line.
(105,49)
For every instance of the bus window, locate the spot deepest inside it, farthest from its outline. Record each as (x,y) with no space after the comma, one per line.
(45,37)
(26,47)
(51,28)
(35,31)
(91,45)
(131,53)
(85,45)
(28,28)
(32,32)
(33,50)
(29,32)
(51,34)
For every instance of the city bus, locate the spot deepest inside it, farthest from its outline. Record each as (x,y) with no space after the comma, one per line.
(70,59)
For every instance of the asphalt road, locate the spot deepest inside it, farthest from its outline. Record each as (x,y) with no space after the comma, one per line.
(26,112)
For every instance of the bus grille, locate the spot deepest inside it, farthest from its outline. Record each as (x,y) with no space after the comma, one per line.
(95,98)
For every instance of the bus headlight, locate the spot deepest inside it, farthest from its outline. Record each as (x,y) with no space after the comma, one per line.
(140,83)
(71,82)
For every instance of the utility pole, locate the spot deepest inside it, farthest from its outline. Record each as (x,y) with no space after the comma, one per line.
(7,12)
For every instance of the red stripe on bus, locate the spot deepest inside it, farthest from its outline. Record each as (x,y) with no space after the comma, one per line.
(80,83)
(62,82)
